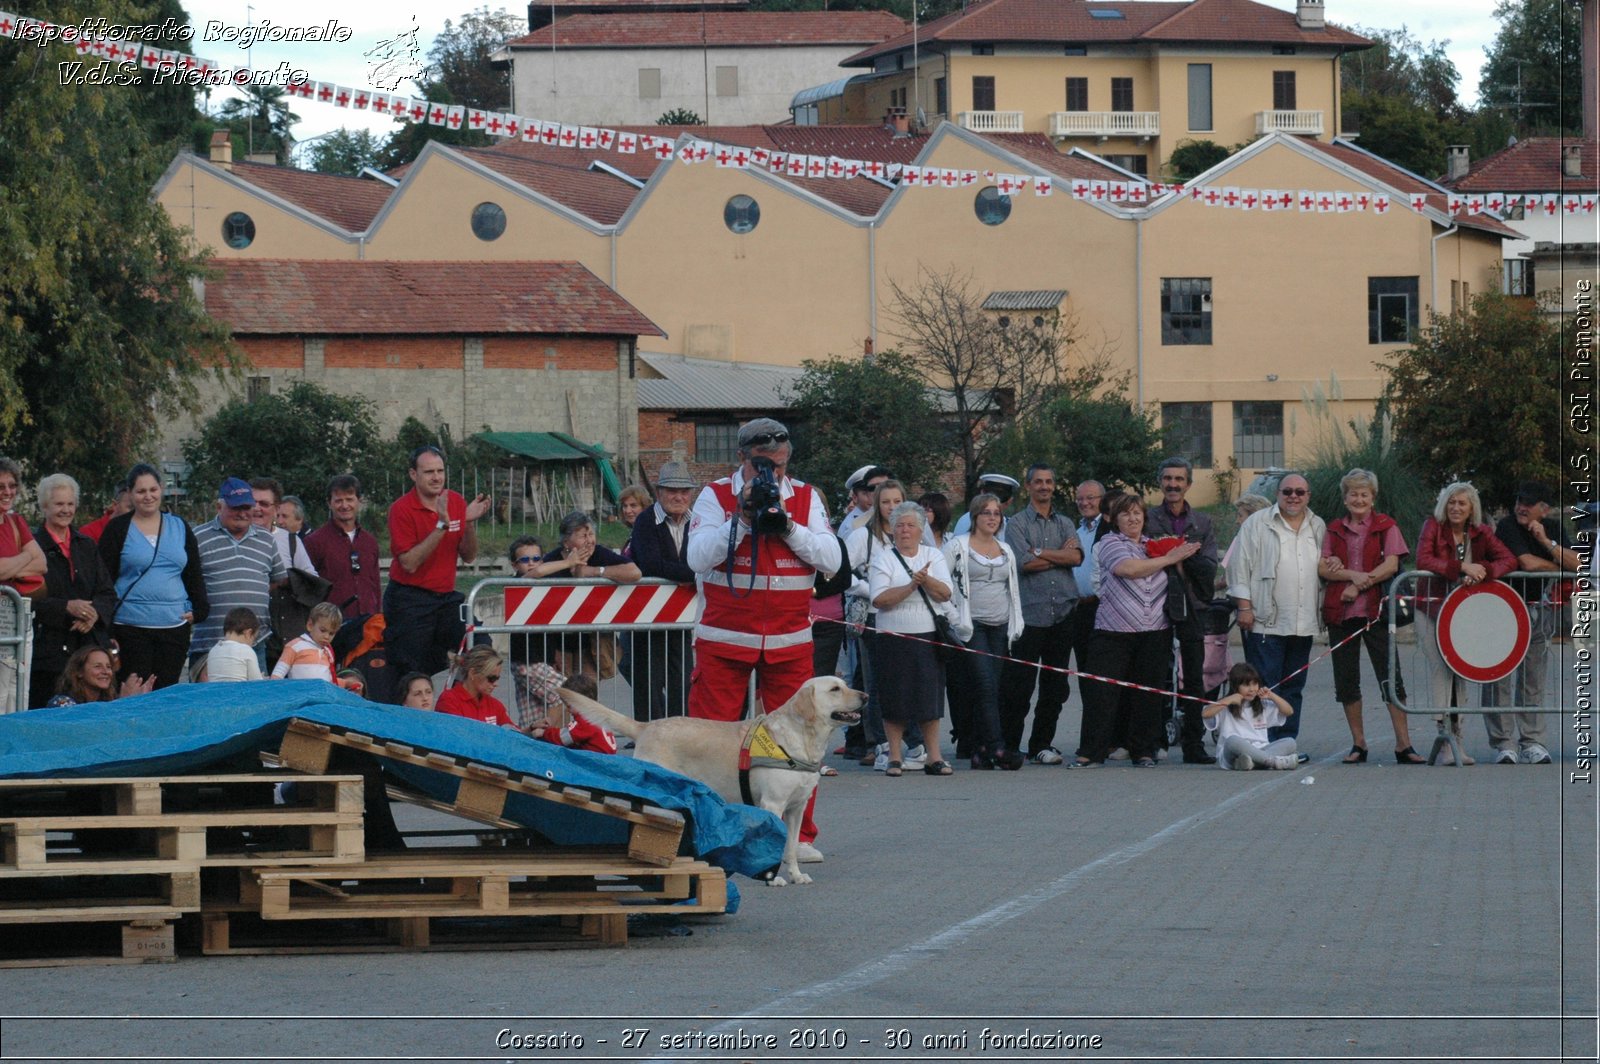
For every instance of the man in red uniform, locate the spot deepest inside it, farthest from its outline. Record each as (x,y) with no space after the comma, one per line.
(429,528)
(756,589)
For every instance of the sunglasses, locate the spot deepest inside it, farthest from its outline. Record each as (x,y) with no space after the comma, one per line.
(1293,491)
(526,559)
(767,439)
(425,449)
(493,679)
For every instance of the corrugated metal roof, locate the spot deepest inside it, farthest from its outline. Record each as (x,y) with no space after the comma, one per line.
(1043,299)
(711,384)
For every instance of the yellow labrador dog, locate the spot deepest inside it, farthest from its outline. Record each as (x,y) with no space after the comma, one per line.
(712,750)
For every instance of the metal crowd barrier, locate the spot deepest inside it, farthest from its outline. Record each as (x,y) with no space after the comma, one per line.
(1554,674)
(16,649)
(634,640)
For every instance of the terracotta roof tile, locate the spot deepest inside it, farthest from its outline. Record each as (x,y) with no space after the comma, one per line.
(1071,21)
(348,202)
(595,194)
(1532,165)
(643,5)
(1401,181)
(679,29)
(1037,148)
(320,298)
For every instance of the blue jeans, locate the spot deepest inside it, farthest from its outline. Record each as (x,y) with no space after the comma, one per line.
(1274,657)
(979,688)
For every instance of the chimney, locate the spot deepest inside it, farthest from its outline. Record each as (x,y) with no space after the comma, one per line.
(1457,161)
(1308,14)
(1572,160)
(222,149)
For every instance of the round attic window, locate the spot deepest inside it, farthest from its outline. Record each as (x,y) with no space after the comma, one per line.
(741,214)
(238,230)
(488,221)
(991,206)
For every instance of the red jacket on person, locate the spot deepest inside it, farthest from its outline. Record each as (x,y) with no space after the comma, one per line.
(1436,553)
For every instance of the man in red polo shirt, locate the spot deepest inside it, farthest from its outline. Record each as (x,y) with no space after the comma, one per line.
(430,527)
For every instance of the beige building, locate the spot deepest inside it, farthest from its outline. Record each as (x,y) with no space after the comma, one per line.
(1128,79)
(1222,317)
(728,67)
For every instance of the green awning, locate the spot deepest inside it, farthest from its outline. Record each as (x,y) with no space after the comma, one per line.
(557,447)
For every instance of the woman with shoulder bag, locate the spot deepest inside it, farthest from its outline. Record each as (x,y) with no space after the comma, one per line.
(908,582)
(864,545)
(75,611)
(984,573)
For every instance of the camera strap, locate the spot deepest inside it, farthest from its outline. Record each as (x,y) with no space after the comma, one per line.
(755,557)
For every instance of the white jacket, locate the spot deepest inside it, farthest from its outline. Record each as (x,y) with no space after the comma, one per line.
(955,552)
(1253,562)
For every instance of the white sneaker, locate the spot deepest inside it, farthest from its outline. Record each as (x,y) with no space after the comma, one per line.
(1119,754)
(1244,762)
(806,853)
(1534,754)
(1286,763)
(1505,757)
(915,757)
(1048,756)
(881,762)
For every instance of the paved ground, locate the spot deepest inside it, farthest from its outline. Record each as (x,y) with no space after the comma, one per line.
(1373,912)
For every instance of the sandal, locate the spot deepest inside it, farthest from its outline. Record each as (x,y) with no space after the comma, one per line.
(893,769)
(1409,756)
(1358,755)
(1144,762)
(938,768)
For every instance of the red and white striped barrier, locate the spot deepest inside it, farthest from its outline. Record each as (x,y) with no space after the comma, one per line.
(614,604)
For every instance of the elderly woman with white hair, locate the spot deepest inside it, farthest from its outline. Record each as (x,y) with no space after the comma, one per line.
(1459,549)
(1360,552)
(79,593)
(907,583)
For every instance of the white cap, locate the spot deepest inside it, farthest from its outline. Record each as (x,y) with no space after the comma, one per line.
(998,478)
(855,478)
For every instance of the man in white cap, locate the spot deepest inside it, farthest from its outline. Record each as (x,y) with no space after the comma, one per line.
(1001,487)
(756,586)
(659,546)
(862,484)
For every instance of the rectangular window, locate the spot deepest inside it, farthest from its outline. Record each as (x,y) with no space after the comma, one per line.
(1200,96)
(1283,49)
(257,388)
(1185,310)
(1122,94)
(1519,277)
(1257,434)
(727,81)
(941,97)
(649,83)
(1392,309)
(716,443)
(1077,94)
(1138,164)
(983,94)
(1075,49)
(983,49)
(1186,430)
(1283,90)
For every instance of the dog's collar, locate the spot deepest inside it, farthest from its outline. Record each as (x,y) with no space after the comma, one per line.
(761,750)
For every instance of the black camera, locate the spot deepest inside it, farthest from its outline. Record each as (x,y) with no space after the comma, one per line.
(763,507)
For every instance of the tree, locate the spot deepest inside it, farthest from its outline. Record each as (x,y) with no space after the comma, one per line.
(849,412)
(261,121)
(1455,415)
(1087,432)
(344,151)
(459,60)
(1399,66)
(301,436)
(996,366)
(680,116)
(1194,157)
(101,332)
(1535,65)
(1400,131)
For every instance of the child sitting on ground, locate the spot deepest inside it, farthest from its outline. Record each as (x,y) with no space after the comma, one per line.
(310,656)
(1241,721)
(553,720)
(233,658)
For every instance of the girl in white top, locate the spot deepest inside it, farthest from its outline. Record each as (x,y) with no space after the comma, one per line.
(985,592)
(1241,721)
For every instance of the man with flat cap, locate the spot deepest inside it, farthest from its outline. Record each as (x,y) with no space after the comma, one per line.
(1001,487)
(658,666)
(1540,544)
(756,585)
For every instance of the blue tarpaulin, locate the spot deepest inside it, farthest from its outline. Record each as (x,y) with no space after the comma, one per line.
(186,728)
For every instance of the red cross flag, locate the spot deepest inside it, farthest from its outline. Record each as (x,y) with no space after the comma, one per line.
(1249,198)
(1271,202)
(496,124)
(647,142)
(627,144)
(1494,201)
(969,177)
(1552,205)
(588,137)
(1344,202)
(1363,200)
(873,168)
(835,166)
(325,92)
(8,24)
(795,165)
(1119,190)
(437,114)
(778,162)
(549,132)
(1307,200)
(722,154)
(741,158)
(1570,204)
(852,168)
(1043,186)
(342,97)
(1097,191)
(568,137)
(911,175)
(607,138)
(702,151)
(1157,188)
(1587,202)
(532,131)
(1212,196)
(1419,201)
(380,102)
(477,119)
(150,58)
(360,100)
(1455,204)
(1325,204)
(1474,204)
(816,166)
(513,126)
(686,153)
(415,110)
(455,116)
(1230,196)
(663,148)
(1380,203)
(1530,201)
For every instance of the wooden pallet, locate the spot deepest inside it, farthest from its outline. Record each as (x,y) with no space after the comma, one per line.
(77,896)
(232,931)
(228,820)
(654,837)
(145,939)
(471,882)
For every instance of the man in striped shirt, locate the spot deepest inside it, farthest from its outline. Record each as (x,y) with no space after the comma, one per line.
(240,564)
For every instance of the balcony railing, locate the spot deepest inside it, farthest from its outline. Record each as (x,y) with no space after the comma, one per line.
(1105,124)
(1305,123)
(991,121)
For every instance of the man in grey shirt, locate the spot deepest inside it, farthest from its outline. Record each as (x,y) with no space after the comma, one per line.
(240,564)
(1047,549)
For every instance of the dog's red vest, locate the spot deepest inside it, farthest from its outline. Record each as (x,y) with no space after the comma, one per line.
(773,620)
